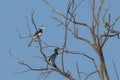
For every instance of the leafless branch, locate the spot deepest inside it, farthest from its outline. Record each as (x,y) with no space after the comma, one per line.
(28,26)
(77,66)
(113,24)
(53,9)
(99,9)
(115,70)
(90,74)
(35,69)
(21,37)
(22,71)
(32,20)
(44,75)
(105,14)
(92,4)
(13,56)
(41,50)
(74,52)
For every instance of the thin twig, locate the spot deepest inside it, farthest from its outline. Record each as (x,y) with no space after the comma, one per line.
(28,26)
(22,71)
(74,52)
(22,37)
(41,50)
(115,70)
(99,9)
(78,71)
(113,24)
(32,20)
(90,74)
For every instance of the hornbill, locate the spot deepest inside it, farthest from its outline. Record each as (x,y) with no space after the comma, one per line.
(37,34)
(52,58)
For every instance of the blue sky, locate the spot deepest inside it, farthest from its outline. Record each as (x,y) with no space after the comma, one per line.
(12,17)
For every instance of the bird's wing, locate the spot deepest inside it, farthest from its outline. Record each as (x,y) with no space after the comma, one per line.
(52,57)
(36,33)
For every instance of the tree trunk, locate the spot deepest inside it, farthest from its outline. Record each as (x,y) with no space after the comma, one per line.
(103,69)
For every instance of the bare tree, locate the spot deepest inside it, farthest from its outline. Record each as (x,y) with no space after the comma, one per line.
(99,38)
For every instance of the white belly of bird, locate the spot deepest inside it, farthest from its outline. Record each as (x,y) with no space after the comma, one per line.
(39,34)
(36,36)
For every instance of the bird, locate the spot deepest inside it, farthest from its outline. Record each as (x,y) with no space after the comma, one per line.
(106,25)
(52,58)
(37,34)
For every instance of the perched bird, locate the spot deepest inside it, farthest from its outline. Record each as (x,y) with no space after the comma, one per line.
(106,25)
(52,58)
(37,34)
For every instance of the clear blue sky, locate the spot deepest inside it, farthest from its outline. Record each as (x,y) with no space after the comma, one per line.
(12,17)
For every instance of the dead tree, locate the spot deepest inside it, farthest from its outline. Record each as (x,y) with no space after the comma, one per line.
(98,38)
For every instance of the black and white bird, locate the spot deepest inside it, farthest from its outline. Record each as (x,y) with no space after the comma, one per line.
(37,34)
(52,58)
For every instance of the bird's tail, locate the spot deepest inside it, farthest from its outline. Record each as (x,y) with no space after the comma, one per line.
(30,42)
(55,65)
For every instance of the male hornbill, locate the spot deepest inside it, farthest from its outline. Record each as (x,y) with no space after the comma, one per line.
(37,34)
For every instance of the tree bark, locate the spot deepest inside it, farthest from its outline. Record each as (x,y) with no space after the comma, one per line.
(103,69)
